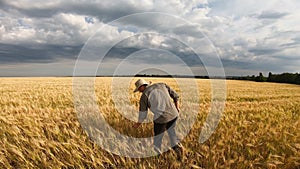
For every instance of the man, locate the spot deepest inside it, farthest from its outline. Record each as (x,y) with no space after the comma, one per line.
(157,98)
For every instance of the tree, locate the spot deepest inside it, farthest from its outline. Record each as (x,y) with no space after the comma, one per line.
(260,78)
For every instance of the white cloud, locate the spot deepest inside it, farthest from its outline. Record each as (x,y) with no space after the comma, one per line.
(16,30)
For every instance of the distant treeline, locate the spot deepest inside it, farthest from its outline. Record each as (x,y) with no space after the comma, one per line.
(174,76)
(292,78)
(278,78)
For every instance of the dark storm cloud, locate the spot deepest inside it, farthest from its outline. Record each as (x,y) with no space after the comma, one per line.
(264,65)
(286,58)
(10,54)
(153,53)
(263,51)
(271,15)
(239,64)
(120,52)
(150,56)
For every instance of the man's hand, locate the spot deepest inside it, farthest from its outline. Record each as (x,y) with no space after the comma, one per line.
(177,106)
(136,125)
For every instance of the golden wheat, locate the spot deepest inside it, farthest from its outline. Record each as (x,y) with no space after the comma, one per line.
(39,128)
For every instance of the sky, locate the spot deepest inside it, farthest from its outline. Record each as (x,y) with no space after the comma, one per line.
(126,37)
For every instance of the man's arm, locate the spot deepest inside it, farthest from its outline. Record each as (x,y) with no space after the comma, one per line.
(143,110)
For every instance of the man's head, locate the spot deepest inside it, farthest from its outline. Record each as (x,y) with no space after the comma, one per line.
(140,85)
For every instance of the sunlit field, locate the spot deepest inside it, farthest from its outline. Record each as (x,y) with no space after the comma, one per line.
(39,127)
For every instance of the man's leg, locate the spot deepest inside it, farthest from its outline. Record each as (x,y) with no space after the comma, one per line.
(159,130)
(176,146)
(170,126)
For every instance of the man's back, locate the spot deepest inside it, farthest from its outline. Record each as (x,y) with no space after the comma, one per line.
(159,101)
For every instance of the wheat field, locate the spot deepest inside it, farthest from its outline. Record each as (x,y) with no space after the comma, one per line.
(39,127)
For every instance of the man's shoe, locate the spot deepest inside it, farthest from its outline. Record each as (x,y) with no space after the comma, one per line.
(179,151)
